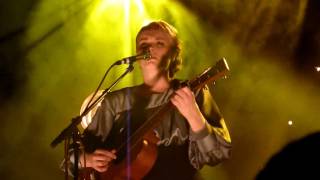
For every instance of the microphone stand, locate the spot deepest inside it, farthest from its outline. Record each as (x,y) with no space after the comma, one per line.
(72,131)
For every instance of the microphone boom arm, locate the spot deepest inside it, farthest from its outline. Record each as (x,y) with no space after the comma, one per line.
(67,132)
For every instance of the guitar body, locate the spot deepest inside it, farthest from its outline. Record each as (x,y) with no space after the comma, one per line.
(142,159)
(134,166)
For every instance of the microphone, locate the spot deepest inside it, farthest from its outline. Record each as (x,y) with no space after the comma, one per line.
(129,60)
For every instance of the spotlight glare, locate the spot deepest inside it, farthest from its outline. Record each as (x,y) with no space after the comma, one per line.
(290,122)
(317,68)
(140,6)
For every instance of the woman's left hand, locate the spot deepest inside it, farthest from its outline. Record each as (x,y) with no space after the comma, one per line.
(185,102)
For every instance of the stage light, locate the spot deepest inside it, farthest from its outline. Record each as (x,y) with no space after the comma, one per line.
(290,123)
(317,68)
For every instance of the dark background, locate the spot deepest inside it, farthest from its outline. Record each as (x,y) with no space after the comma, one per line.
(257,100)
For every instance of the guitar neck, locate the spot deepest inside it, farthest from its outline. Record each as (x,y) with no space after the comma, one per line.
(209,75)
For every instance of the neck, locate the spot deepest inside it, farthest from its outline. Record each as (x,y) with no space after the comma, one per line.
(157,82)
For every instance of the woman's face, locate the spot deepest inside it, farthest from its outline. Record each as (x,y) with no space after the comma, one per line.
(158,43)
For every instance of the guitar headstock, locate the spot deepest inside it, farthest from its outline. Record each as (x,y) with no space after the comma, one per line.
(220,69)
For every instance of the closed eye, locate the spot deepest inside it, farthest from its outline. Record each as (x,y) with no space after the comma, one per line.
(143,46)
(160,44)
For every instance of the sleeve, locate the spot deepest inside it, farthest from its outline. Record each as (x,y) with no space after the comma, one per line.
(95,134)
(212,144)
(98,130)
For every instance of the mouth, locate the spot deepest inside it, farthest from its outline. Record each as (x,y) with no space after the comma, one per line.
(151,58)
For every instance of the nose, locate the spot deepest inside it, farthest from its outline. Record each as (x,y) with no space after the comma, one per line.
(147,55)
(148,49)
(152,48)
(145,49)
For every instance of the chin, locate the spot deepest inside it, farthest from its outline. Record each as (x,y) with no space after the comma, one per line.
(150,61)
(147,64)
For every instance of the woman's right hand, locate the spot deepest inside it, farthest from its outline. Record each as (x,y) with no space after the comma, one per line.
(99,160)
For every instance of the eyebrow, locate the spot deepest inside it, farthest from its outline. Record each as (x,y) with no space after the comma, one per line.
(157,38)
(142,39)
